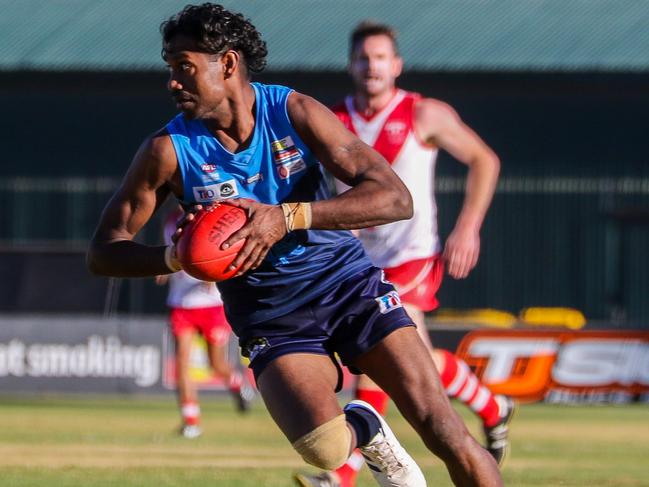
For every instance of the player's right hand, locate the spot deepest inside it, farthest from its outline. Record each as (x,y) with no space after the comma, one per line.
(266,226)
(461,252)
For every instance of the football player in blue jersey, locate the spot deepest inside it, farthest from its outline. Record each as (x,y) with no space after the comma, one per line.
(306,290)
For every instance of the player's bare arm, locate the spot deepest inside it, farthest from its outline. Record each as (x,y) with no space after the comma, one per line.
(145,187)
(438,124)
(377,196)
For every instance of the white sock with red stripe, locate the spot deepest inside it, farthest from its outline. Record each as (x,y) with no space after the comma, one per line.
(461,383)
(191,412)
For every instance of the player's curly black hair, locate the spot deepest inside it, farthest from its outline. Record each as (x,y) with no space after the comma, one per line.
(216,30)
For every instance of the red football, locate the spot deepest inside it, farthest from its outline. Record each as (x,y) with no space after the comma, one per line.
(199,247)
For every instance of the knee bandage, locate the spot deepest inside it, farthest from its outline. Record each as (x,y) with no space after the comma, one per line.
(327,446)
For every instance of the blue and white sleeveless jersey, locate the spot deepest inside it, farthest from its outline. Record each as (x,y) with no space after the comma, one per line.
(276,167)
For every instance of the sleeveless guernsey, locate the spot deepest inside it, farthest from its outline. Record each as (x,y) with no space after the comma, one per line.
(391,132)
(276,167)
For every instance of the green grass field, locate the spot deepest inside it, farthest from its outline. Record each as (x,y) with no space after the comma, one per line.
(89,442)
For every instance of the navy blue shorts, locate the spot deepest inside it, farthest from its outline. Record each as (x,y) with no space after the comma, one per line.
(347,320)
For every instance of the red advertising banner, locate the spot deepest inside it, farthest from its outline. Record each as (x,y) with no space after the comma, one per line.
(561,366)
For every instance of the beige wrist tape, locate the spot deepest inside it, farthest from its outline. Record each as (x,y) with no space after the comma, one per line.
(171,261)
(297,216)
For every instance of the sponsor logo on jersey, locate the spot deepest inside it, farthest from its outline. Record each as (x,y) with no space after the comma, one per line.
(282,144)
(395,127)
(210,178)
(560,366)
(388,302)
(283,251)
(395,130)
(255,179)
(210,174)
(286,170)
(208,168)
(284,151)
(212,192)
(228,189)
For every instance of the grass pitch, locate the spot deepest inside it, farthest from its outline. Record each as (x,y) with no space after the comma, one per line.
(123,442)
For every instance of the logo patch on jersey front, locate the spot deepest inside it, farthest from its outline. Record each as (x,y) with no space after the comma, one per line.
(210,174)
(221,191)
(255,179)
(284,151)
(396,131)
(388,302)
(208,168)
(282,144)
(286,170)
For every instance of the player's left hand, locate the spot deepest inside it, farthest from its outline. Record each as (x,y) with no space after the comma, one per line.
(461,251)
(188,216)
(265,227)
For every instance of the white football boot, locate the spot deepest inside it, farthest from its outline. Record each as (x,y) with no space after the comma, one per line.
(191,431)
(386,458)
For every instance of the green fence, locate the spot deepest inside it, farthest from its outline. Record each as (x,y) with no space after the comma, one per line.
(579,242)
(56,213)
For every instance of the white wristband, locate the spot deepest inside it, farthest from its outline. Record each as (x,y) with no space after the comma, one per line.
(171,261)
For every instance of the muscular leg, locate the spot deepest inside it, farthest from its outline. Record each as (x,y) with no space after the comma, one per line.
(233,378)
(457,378)
(218,360)
(299,392)
(367,390)
(186,388)
(419,320)
(187,398)
(402,366)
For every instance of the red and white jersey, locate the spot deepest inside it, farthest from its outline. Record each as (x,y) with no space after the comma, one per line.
(186,291)
(391,132)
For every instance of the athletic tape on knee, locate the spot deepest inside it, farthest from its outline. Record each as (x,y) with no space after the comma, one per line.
(327,446)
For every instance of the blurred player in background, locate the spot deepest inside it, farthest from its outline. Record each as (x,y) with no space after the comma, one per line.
(305,288)
(196,307)
(408,130)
